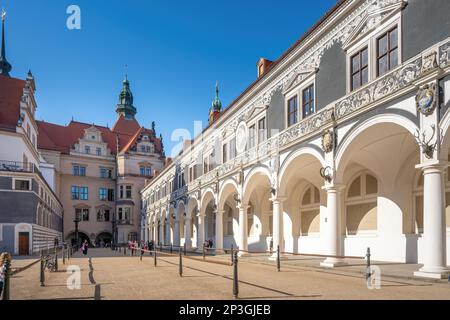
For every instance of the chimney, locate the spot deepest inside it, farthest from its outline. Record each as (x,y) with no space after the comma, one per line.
(262,66)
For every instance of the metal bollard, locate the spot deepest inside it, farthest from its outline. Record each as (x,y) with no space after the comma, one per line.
(142,253)
(56,261)
(278,259)
(124,251)
(235,276)
(42,274)
(63,256)
(6,280)
(204,253)
(171,248)
(185,252)
(155,260)
(368,273)
(232,255)
(180,266)
(160,247)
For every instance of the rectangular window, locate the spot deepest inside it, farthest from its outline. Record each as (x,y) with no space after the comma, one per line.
(99,151)
(23,185)
(87,149)
(142,171)
(232,148)
(205,165)
(308,101)
(84,193)
(110,195)
(79,171)
(252,136)
(387,52)
(262,131)
(143,149)
(82,214)
(103,194)
(225,153)
(292,111)
(148,171)
(121,192)
(105,173)
(128,192)
(75,193)
(360,69)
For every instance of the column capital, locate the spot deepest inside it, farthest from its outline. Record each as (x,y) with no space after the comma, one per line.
(220,212)
(333,188)
(242,206)
(278,198)
(433,167)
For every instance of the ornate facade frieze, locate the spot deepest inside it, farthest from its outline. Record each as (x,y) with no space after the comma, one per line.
(444,55)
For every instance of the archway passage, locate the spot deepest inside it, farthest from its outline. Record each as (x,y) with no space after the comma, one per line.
(71,238)
(304,207)
(103,240)
(229,214)
(377,164)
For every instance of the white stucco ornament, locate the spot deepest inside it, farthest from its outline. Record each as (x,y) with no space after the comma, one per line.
(241,137)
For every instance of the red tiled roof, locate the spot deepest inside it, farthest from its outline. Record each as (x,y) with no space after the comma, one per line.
(11,91)
(62,138)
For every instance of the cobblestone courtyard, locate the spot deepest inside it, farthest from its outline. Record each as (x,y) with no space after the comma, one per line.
(111,275)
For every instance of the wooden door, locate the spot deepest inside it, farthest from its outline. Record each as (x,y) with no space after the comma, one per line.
(24,243)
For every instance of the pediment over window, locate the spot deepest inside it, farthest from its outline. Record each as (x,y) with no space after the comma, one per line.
(298,78)
(374,17)
(82,206)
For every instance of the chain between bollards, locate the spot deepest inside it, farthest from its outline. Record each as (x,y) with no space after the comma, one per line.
(42,275)
(235,276)
(278,259)
(180,265)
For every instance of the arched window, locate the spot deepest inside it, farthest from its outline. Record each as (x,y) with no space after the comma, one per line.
(310,211)
(361,204)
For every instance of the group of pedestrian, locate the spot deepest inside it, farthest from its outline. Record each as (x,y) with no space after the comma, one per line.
(208,244)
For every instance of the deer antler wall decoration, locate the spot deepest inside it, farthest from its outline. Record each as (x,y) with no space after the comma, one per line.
(428,148)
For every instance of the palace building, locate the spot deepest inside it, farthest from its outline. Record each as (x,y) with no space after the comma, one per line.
(340,145)
(70,181)
(31,214)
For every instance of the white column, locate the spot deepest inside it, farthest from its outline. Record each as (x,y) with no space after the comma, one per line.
(161,232)
(243,236)
(200,231)
(434,224)
(176,236)
(187,232)
(219,230)
(277,217)
(332,225)
(145,233)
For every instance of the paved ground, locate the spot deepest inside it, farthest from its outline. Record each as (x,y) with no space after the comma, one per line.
(110,275)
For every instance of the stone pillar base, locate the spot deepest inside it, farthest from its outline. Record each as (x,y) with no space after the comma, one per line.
(332,263)
(243,254)
(432,273)
(273,257)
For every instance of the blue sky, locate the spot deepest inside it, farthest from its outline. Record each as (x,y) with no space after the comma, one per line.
(175,52)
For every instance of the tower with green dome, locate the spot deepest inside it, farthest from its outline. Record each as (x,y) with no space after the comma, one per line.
(216,107)
(125,106)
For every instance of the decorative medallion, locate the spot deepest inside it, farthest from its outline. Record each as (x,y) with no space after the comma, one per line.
(241,137)
(425,99)
(327,141)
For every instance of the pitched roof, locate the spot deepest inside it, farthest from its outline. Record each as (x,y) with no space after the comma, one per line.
(61,138)
(10,95)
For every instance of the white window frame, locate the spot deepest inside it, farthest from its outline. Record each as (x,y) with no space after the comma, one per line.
(298,91)
(370,41)
(22,179)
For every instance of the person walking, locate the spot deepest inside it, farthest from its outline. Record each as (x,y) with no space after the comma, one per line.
(84,247)
(4,258)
